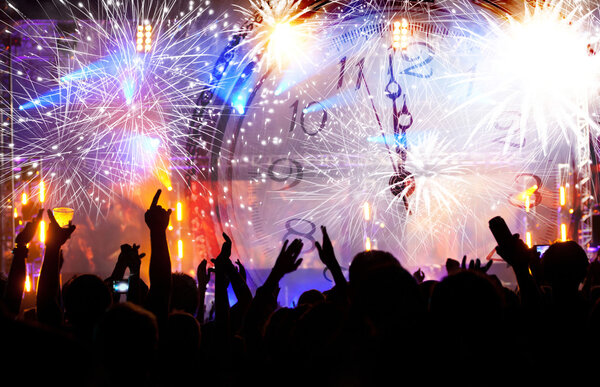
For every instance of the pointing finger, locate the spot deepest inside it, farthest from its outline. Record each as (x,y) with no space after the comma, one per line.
(155,199)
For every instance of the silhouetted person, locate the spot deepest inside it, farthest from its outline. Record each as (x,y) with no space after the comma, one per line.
(126,343)
(180,350)
(184,293)
(86,298)
(311,297)
(385,321)
(564,266)
(466,312)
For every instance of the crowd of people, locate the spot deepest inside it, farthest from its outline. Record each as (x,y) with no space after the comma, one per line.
(381,326)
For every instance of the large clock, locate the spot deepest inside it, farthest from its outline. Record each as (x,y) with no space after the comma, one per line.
(398,147)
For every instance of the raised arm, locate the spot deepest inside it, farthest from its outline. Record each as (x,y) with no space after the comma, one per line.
(157,220)
(13,294)
(287,262)
(203,278)
(222,321)
(134,262)
(518,256)
(48,305)
(238,284)
(117,274)
(327,256)
(265,300)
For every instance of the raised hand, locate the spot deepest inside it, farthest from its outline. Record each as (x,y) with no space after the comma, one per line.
(222,262)
(516,253)
(159,269)
(48,295)
(28,232)
(203,275)
(452,266)
(419,275)
(131,257)
(156,217)
(225,248)
(241,270)
(475,265)
(327,256)
(288,260)
(13,293)
(29,209)
(56,236)
(326,253)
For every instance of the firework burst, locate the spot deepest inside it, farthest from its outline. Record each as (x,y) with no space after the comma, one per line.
(483,137)
(103,96)
(543,64)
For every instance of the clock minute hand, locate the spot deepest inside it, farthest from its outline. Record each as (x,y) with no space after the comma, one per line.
(364,80)
(401,181)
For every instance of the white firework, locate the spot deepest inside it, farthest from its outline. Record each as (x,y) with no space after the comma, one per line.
(104,97)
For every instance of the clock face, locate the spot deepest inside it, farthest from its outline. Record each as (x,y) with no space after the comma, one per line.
(403,150)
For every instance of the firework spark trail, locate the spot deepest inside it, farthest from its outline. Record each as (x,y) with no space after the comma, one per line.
(429,198)
(464,140)
(466,145)
(100,117)
(540,64)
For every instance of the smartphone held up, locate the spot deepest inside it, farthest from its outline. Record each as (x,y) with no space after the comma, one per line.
(121,286)
(500,231)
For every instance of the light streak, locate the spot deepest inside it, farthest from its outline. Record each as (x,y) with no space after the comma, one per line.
(42,191)
(42,231)
(27,283)
(367,211)
(178,212)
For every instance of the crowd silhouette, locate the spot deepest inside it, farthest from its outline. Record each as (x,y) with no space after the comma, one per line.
(381,326)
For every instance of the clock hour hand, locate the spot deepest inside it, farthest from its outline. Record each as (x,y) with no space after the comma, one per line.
(393,91)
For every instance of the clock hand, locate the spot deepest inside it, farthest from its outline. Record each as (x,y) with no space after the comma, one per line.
(371,98)
(402,180)
(393,91)
(402,144)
